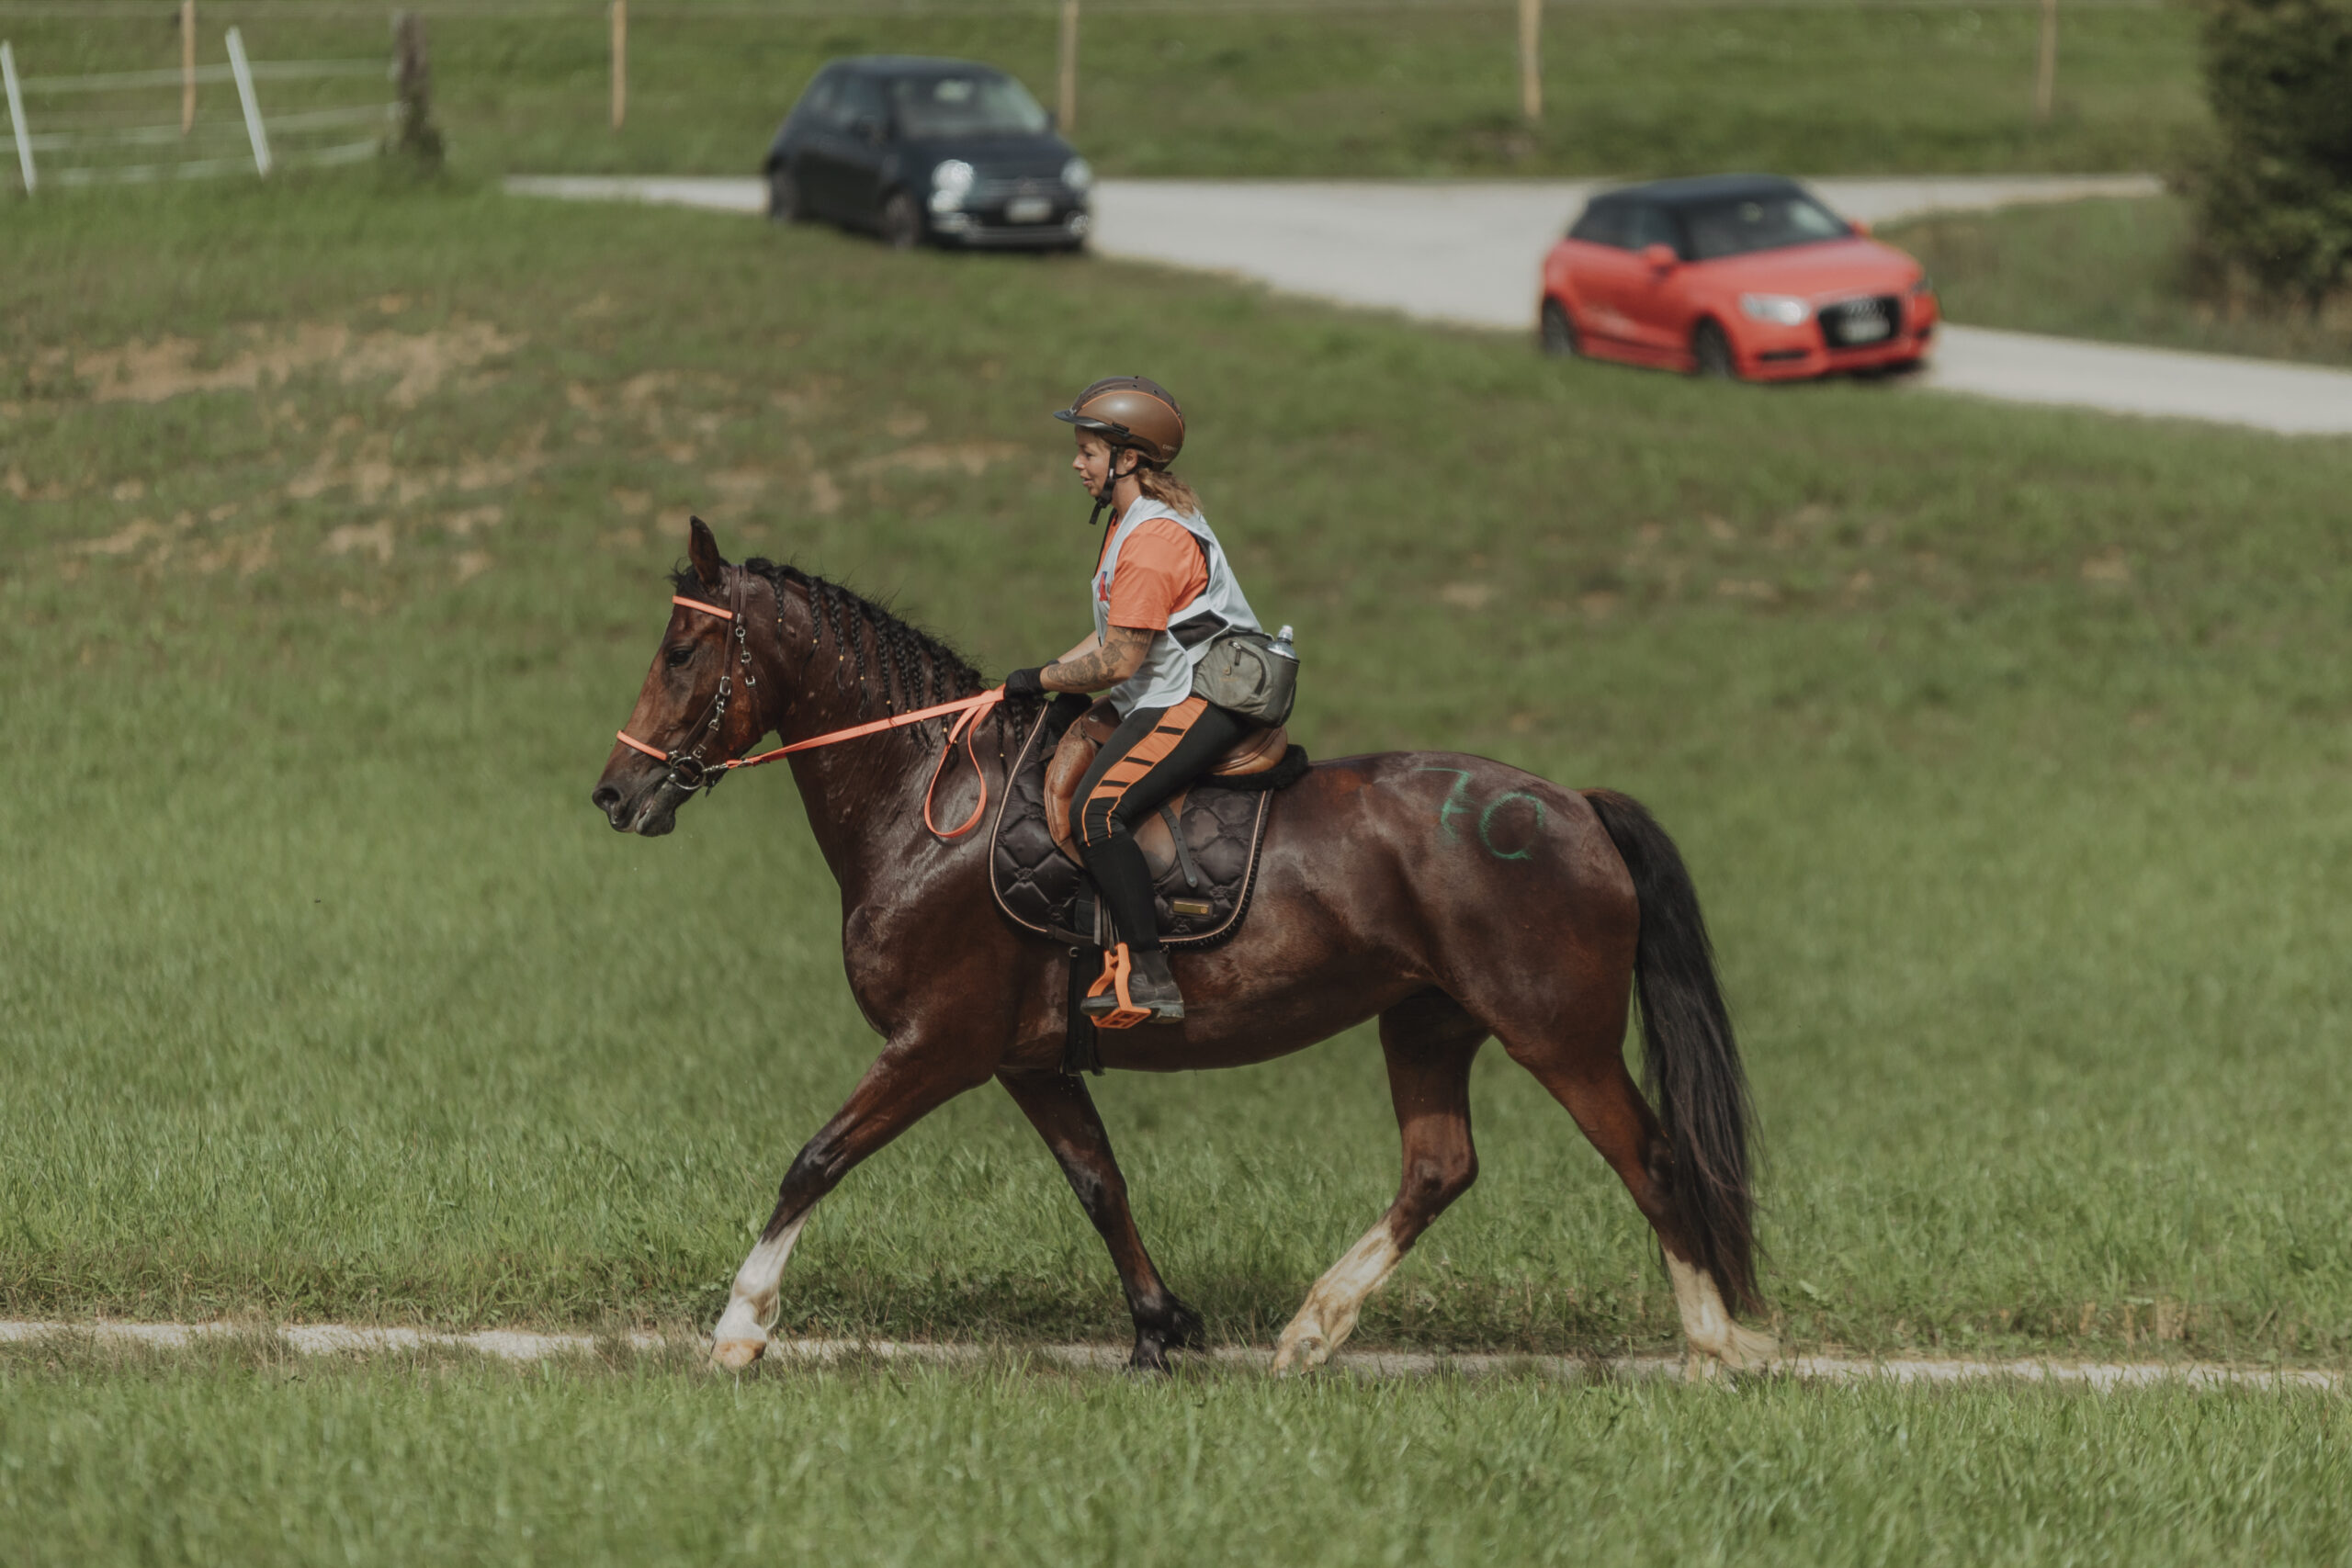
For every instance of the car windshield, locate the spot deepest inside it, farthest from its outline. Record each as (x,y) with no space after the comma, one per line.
(965,106)
(1757,223)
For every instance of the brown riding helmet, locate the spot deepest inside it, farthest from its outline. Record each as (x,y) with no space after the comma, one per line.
(1128,410)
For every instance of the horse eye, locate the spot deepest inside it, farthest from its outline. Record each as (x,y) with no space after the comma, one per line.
(676,657)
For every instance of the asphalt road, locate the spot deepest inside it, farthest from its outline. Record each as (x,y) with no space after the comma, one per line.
(1468,253)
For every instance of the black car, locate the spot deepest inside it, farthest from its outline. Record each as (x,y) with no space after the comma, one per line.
(940,150)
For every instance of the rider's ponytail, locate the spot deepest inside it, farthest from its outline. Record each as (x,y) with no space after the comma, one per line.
(1167,490)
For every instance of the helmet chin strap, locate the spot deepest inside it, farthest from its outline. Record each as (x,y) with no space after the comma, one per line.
(1109,484)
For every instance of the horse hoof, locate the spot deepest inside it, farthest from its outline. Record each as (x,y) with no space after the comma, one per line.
(1302,1352)
(1186,1331)
(735,1355)
(1742,1350)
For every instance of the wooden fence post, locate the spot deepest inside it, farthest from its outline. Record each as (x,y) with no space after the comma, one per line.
(2045,82)
(187,66)
(1531,59)
(412,84)
(1068,117)
(620,62)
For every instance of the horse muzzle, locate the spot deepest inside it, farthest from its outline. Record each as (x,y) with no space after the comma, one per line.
(648,811)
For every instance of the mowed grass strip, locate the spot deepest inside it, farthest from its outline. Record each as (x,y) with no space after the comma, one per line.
(2008,748)
(2118,270)
(448,1460)
(1411,90)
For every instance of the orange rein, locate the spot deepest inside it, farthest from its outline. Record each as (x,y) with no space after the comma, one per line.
(971,708)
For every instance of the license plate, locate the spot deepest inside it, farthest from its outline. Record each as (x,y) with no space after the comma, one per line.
(1864,326)
(1028,210)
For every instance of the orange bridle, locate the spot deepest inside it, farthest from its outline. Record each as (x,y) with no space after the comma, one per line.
(692,772)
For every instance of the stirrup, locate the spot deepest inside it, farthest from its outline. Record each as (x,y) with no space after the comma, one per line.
(1112,981)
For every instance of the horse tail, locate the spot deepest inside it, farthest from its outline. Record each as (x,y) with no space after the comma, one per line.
(1690,1059)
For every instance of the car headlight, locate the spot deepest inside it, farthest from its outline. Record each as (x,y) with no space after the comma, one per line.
(1078,174)
(952,176)
(1785,309)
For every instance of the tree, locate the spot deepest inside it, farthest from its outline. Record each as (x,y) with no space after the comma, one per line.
(2273,195)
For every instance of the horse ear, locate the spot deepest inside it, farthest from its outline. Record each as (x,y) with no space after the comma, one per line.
(702,549)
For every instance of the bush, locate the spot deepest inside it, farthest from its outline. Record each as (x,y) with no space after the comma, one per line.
(2273,195)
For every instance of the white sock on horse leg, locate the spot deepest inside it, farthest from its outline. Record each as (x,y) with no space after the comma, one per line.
(1328,1316)
(751,1304)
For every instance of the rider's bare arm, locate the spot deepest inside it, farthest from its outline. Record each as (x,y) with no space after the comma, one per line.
(1108,665)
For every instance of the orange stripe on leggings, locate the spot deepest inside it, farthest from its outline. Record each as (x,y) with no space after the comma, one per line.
(1145,755)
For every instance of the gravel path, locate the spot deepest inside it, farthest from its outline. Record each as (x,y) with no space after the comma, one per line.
(331,1338)
(1468,252)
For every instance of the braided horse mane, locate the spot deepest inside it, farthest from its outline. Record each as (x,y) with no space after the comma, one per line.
(876,653)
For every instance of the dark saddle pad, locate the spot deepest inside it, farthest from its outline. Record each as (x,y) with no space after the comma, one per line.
(1224,827)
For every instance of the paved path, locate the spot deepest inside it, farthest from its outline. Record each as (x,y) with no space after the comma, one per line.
(331,1338)
(1468,253)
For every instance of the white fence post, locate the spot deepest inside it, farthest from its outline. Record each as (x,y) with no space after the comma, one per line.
(17,126)
(245,73)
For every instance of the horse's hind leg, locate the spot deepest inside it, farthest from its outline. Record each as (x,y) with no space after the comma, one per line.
(1430,1043)
(1064,1115)
(1584,1071)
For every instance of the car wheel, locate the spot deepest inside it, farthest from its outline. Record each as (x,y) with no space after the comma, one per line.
(785,205)
(1559,331)
(901,222)
(1711,350)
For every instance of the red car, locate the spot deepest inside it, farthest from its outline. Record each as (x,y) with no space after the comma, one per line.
(1735,275)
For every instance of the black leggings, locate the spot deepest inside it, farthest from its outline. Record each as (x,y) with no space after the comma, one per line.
(1155,752)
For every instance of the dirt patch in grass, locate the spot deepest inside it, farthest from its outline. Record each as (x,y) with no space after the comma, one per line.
(415,363)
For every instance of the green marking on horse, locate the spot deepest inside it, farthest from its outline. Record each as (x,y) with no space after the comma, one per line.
(1457,803)
(1486,817)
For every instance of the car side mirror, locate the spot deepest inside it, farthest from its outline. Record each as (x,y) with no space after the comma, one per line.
(867,129)
(1053,119)
(1660,258)
(1859,229)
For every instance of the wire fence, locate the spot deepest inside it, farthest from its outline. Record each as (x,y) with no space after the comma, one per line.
(1259,86)
(882,10)
(105,128)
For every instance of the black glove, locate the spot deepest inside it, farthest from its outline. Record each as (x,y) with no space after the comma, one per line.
(1025,683)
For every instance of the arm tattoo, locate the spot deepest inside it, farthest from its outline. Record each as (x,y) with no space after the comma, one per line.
(1121,655)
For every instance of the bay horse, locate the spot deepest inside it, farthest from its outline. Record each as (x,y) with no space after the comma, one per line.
(1450,896)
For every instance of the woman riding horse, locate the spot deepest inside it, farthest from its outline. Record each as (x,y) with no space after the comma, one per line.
(1453,897)
(1163,592)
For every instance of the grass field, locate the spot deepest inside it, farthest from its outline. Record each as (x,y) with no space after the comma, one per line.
(1412,89)
(446,1461)
(2104,269)
(2008,747)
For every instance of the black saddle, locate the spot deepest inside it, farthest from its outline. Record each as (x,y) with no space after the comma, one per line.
(1202,878)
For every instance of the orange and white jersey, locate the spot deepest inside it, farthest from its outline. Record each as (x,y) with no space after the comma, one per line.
(1164,569)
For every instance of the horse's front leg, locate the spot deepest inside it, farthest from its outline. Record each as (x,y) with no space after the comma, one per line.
(906,1083)
(1064,1115)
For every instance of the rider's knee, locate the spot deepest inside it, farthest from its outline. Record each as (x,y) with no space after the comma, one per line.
(1101,822)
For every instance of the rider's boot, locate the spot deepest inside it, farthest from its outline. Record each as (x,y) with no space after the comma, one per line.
(1136,987)
(1149,985)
